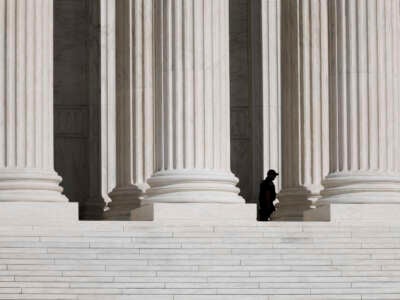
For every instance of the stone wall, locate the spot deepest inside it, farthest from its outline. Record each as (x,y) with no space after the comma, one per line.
(76,99)
(241,131)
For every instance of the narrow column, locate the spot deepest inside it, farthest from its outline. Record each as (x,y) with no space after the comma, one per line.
(364,102)
(305,118)
(102,107)
(266,88)
(192,109)
(26,103)
(108,95)
(134,96)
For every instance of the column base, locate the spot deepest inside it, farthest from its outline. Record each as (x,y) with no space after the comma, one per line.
(30,185)
(193,186)
(355,213)
(124,199)
(38,213)
(195,213)
(361,187)
(293,202)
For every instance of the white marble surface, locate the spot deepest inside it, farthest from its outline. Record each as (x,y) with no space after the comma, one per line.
(230,261)
(355,213)
(195,213)
(39,213)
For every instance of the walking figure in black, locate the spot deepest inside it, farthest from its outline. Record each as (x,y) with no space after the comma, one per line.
(267,196)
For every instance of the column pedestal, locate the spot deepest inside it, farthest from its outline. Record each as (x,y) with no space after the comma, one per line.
(187,195)
(193,186)
(125,199)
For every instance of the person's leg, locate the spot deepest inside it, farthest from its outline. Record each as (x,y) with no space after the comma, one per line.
(263,215)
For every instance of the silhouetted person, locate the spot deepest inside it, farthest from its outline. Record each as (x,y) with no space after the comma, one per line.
(267,196)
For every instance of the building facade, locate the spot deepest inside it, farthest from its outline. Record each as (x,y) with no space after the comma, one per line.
(133,103)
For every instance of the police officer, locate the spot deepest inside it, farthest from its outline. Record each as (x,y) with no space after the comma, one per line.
(267,196)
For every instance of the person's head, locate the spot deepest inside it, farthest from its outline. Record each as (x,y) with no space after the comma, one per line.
(271,174)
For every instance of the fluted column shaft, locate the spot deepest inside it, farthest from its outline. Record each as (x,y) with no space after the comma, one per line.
(26,102)
(192,94)
(305,89)
(266,89)
(364,102)
(108,96)
(134,95)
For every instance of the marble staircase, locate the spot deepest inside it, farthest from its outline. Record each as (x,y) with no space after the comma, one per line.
(248,260)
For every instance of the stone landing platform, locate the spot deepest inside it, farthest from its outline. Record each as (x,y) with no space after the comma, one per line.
(341,213)
(43,213)
(195,212)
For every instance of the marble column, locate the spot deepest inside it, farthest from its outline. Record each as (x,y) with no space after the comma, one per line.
(102,114)
(305,96)
(364,102)
(26,104)
(108,97)
(135,106)
(192,109)
(266,89)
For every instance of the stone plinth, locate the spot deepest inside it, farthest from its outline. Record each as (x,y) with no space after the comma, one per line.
(43,213)
(339,213)
(195,212)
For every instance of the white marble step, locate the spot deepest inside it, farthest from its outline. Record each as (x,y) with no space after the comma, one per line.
(200,297)
(140,260)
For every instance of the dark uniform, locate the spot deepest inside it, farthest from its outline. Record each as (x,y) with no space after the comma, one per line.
(266,199)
